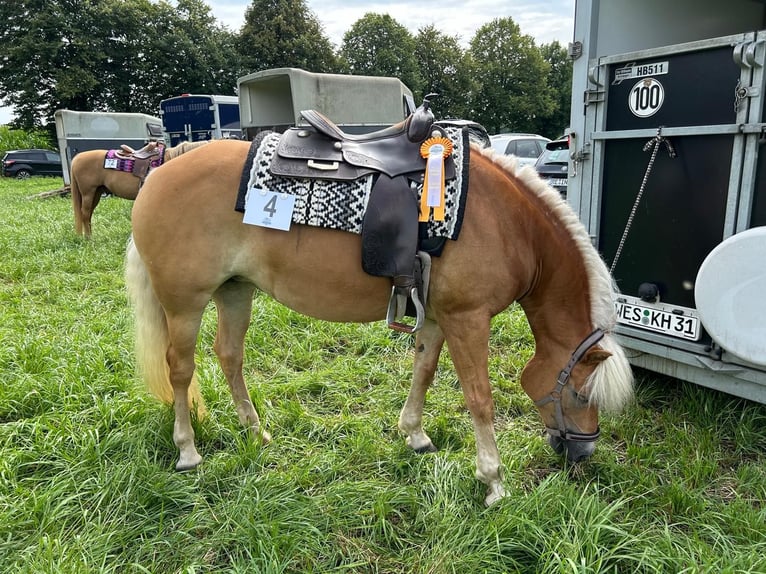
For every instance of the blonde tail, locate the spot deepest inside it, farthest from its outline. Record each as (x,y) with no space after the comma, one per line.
(151,331)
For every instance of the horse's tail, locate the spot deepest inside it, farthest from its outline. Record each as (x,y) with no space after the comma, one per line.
(76,198)
(151,332)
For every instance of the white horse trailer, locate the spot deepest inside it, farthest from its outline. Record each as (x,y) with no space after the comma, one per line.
(83,131)
(668,173)
(273,100)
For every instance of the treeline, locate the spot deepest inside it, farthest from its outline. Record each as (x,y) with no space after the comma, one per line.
(127,55)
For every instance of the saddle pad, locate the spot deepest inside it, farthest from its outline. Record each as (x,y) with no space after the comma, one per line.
(112,161)
(341,205)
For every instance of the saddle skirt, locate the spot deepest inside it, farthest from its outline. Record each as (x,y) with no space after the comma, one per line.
(342,203)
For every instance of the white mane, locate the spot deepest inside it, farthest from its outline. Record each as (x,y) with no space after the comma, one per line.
(611,384)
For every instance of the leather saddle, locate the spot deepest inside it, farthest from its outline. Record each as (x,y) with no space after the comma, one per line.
(142,158)
(322,150)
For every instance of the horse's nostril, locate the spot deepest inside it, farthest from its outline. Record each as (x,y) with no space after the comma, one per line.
(579,451)
(556,444)
(575,451)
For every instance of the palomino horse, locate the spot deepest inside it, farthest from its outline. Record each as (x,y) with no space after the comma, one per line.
(90,179)
(519,242)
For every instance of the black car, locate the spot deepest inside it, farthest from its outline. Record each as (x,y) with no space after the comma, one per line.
(23,163)
(553,164)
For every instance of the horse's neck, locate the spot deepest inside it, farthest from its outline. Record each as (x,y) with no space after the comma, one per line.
(557,305)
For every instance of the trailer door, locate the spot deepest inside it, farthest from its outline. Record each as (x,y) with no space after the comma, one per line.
(188,118)
(677,166)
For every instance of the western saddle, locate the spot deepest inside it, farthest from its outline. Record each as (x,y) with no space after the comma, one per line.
(390,229)
(142,158)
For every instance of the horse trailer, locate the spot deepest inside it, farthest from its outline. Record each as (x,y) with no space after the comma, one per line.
(667,171)
(273,100)
(197,117)
(83,131)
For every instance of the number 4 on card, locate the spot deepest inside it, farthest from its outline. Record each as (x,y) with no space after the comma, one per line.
(269,209)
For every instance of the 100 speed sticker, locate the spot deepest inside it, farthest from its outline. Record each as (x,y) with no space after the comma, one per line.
(646,97)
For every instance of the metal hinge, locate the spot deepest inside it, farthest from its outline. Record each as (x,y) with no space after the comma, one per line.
(574,50)
(593,96)
(745,54)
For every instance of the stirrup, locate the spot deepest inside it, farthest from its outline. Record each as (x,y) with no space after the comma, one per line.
(393,306)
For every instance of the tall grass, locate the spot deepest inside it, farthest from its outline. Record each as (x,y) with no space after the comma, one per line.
(87,484)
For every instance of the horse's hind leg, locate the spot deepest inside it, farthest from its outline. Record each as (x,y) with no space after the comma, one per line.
(428,345)
(234,301)
(183,330)
(89,203)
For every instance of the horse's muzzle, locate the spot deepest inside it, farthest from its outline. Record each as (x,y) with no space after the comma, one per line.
(575,450)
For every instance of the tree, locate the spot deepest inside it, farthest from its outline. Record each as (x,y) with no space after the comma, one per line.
(377,45)
(560,84)
(284,34)
(109,55)
(195,53)
(512,94)
(445,70)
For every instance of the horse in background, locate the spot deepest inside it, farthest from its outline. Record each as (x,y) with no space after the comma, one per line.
(519,241)
(90,178)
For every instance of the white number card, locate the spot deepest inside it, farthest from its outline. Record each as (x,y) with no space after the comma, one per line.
(269,209)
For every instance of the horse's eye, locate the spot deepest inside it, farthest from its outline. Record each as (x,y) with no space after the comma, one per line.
(580,397)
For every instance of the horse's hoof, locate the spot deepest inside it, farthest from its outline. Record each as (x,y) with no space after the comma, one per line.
(426,448)
(494,493)
(265,437)
(188,464)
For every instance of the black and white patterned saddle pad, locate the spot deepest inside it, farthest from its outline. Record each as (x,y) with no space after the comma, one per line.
(340,204)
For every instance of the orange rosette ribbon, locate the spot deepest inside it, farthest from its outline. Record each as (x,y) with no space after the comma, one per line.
(435,150)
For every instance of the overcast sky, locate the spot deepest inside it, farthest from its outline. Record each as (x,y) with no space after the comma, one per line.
(544,20)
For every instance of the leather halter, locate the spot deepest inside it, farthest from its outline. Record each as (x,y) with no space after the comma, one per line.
(561,381)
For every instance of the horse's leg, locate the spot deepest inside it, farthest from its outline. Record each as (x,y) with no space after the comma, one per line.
(428,344)
(234,301)
(183,330)
(74,189)
(89,201)
(468,343)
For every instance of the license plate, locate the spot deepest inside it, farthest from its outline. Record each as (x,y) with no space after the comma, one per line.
(558,182)
(679,323)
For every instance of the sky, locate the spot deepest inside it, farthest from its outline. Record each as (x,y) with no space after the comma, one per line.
(544,20)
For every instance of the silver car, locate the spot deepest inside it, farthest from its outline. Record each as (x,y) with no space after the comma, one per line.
(526,147)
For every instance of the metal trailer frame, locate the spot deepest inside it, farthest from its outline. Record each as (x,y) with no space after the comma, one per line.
(273,100)
(83,131)
(612,34)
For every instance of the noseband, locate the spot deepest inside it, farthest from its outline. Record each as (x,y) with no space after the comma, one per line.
(561,381)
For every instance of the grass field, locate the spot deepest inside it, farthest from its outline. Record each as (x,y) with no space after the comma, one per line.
(677,484)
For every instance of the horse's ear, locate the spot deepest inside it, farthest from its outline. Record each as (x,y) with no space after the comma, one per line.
(595,356)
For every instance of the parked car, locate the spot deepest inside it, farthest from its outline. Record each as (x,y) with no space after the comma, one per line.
(526,147)
(553,164)
(23,163)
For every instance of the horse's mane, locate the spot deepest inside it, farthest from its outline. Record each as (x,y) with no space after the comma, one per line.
(611,384)
(183,147)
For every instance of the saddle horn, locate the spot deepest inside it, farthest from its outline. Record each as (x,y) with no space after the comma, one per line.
(421,120)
